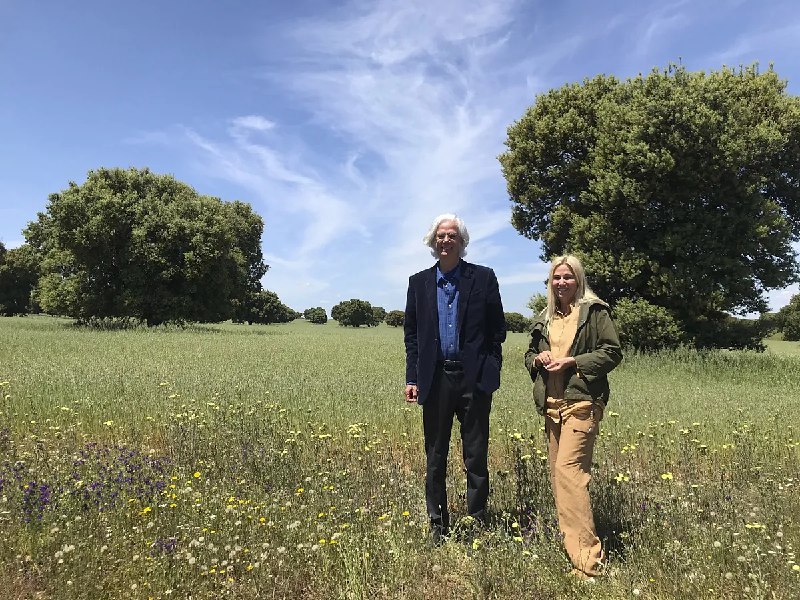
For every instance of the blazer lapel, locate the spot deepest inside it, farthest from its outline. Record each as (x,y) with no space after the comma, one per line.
(430,296)
(465,283)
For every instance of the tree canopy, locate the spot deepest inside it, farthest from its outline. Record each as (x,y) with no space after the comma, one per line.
(263,307)
(517,322)
(679,188)
(789,319)
(395,318)
(18,276)
(131,243)
(353,313)
(378,315)
(316,315)
(537,303)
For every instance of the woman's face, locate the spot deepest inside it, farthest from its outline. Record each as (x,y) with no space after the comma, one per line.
(564,284)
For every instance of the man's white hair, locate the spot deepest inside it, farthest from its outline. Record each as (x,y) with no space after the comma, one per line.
(430,237)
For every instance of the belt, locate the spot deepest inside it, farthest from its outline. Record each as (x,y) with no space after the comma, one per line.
(452,365)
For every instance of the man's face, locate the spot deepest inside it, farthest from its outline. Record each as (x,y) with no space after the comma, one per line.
(448,241)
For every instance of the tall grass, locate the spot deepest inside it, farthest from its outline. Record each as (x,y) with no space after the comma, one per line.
(281,461)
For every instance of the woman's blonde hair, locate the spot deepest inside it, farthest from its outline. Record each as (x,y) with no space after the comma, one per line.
(583,294)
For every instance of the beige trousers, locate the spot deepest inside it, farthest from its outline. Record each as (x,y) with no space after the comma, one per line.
(571,429)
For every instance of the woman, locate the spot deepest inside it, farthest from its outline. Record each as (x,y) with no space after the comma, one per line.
(574,345)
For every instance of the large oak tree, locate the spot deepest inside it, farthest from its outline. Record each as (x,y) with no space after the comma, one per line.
(679,188)
(132,243)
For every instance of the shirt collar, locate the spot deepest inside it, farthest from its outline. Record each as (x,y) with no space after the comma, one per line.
(451,276)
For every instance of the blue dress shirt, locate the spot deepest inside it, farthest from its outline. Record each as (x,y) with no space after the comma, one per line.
(447,300)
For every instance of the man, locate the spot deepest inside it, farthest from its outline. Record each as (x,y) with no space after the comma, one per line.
(454,328)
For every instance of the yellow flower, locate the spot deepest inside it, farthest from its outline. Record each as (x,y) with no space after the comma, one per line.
(196,475)
(666,476)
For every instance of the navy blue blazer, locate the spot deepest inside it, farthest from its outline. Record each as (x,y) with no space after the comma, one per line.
(481,322)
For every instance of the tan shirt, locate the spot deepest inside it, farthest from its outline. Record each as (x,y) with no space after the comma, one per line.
(562,334)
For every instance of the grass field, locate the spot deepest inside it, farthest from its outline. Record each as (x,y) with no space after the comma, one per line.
(236,461)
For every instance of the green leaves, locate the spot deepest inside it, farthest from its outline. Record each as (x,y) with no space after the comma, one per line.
(354,313)
(130,243)
(678,188)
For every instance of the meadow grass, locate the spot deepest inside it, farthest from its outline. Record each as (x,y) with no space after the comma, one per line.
(234,461)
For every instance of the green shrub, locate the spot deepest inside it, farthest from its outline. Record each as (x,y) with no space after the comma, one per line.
(516,322)
(731,333)
(645,326)
(353,313)
(395,318)
(316,315)
(789,319)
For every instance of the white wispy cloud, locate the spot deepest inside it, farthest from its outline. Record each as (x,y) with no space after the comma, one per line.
(407,93)
(744,48)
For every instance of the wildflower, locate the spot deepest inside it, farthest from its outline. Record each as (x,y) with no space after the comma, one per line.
(196,475)
(666,476)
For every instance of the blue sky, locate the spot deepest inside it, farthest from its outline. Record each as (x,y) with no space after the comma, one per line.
(347,125)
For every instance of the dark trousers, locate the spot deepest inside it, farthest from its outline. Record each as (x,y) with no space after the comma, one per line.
(448,398)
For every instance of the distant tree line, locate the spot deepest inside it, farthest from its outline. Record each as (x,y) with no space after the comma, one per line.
(678,190)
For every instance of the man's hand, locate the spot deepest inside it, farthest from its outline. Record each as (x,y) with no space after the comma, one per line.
(411,393)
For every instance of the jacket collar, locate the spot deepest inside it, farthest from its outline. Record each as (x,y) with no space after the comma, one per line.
(583,313)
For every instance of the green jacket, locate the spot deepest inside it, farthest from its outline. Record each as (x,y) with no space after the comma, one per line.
(596,350)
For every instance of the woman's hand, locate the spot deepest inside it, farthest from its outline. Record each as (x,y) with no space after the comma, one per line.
(560,364)
(542,359)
